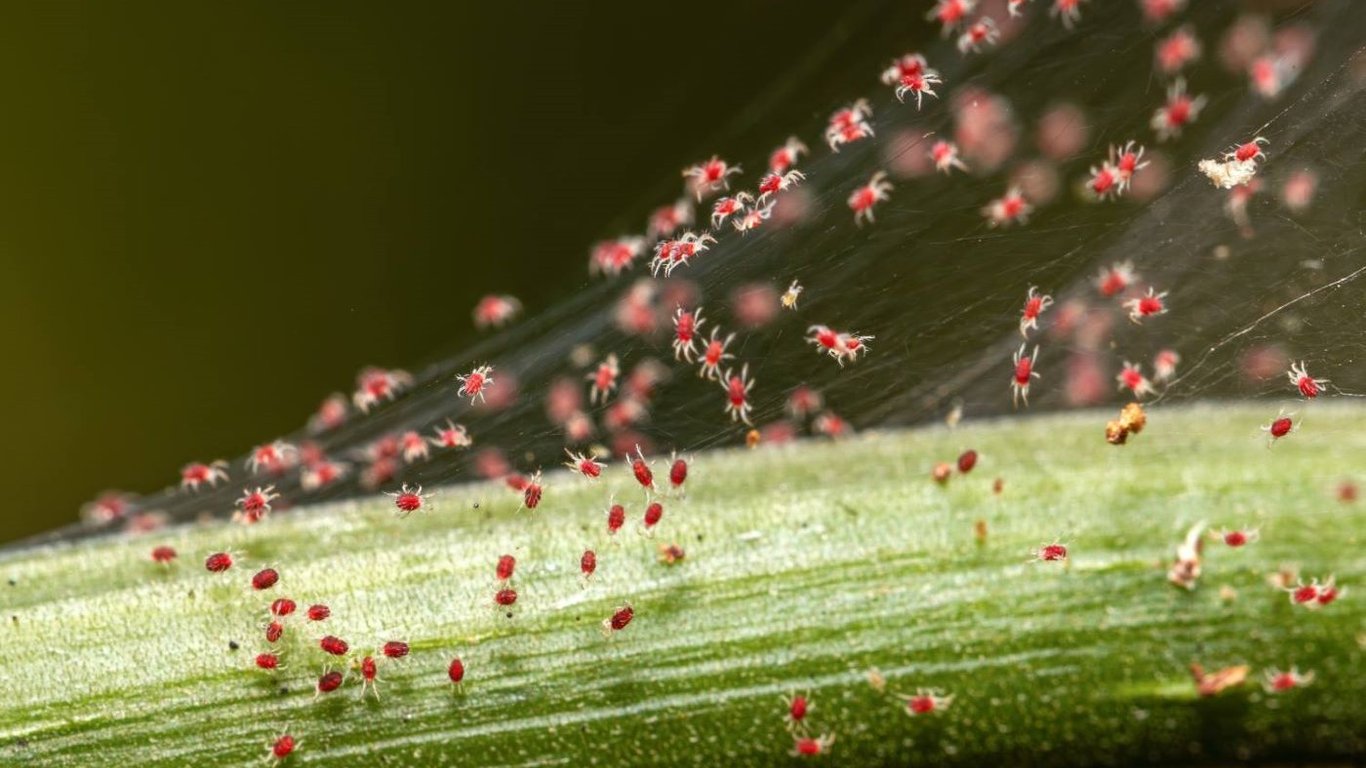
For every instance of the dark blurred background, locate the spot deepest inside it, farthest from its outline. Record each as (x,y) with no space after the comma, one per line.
(212,215)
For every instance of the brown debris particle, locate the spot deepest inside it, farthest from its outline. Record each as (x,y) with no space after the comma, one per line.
(1213,683)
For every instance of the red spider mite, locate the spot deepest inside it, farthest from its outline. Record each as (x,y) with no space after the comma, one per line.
(1308,386)
(1279,427)
(945,157)
(812,746)
(255,504)
(1248,152)
(505,597)
(588,466)
(274,631)
(318,612)
(1158,11)
(369,674)
(804,401)
(726,207)
(797,707)
(666,219)
(218,562)
(925,702)
(496,311)
(1276,681)
(1126,161)
(334,645)
(979,33)
(506,565)
(710,176)
(849,124)
(950,14)
(1013,7)
(474,383)
(329,682)
(619,620)
(774,182)
(273,457)
(612,257)
(863,199)
(163,554)
(653,514)
(1104,182)
(966,461)
(672,254)
(713,354)
(375,385)
(1179,111)
(1131,378)
(678,473)
(588,563)
(1035,305)
(616,518)
(786,156)
(196,474)
(456,671)
(1010,208)
(321,474)
(1149,304)
(267,661)
(737,390)
(1177,50)
(1050,553)
(408,500)
(1164,365)
(1023,373)
(110,506)
(531,495)
(830,425)
(516,482)
(265,579)
(753,217)
(686,326)
(1236,538)
(282,607)
(1069,11)
(395,649)
(451,436)
(283,747)
(604,379)
(414,446)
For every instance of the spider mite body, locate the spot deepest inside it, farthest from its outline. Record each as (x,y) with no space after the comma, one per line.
(318,612)
(474,383)
(967,460)
(798,705)
(163,554)
(1248,152)
(925,702)
(753,217)
(395,649)
(1314,595)
(1069,11)
(774,182)
(282,607)
(612,257)
(1126,161)
(456,671)
(272,457)
(945,157)
(218,562)
(1049,553)
(376,385)
(369,675)
(726,207)
(950,14)
(265,579)
(1014,8)
(495,311)
(737,394)
(451,436)
(919,82)
(1023,373)
(1104,182)
(1008,209)
(329,682)
(1164,365)
(588,466)
(849,125)
(812,746)
(619,620)
(1177,50)
(1149,304)
(282,748)
(506,597)
(1276,681)
(790,296)
(603,380)
(1035,305)
(196,474)
(641,470)
(616,518)
(274,631)
(267,661)
(503,571)
(255,504)
(1308,386)
(1237,537)
(1131,377)
(414,446)
(1279,427)
(408,500)
(654,512)
(334,645)
(786,156)
(588,563)
(863,199)
(979,33)
(1180,111)
(667,219)
(531,494)
(713,354)
(678,473)
(710,176)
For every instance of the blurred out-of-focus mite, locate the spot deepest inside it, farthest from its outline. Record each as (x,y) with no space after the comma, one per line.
(713,354)
(804,401)
(849,124)
(1236,537)
(618,620)
(1126,161)
(1116,278)
(786,156)
(942,472)
(1179,111)
(495,311)
(966,461)
(945,157)
(506,566)
(979,33)
(726,207)
(1314,595)
(1068,11)
(272,457)
(195,474)
(790,296)
(282,747)
(474,383)
(710,176)
(322,473)
(265,579)
(612,257)
(924,702)
(774,182)
(1164,365)
(532,492)
(1158,11)
(318,612)
(1131,377)
(408,500)
(415,446)
(1049,553)
(456,673)
(829,424)
(1104,182)
(267,661)
(950,14)
(1213,683)
(1177,50)
(1035,305)
(1015,8)
(218,562)
(1149,304)
(452,435)
(667,219)
(328,682)
(671,554)
(588,563)
(255,504)
(163,554)
(376,385)
(862,200)
(369,676)
(1276,681)
(1008,209)
(395,649)
(1279,427)
(812,746)
(737,390)
(109,506)
(654,512)
(797,706)
(616,518)
(752,218)
(588,466)
(603,379)
(1308,386)
(1023,374)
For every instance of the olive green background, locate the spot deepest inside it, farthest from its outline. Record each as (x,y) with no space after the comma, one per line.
(213,214)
